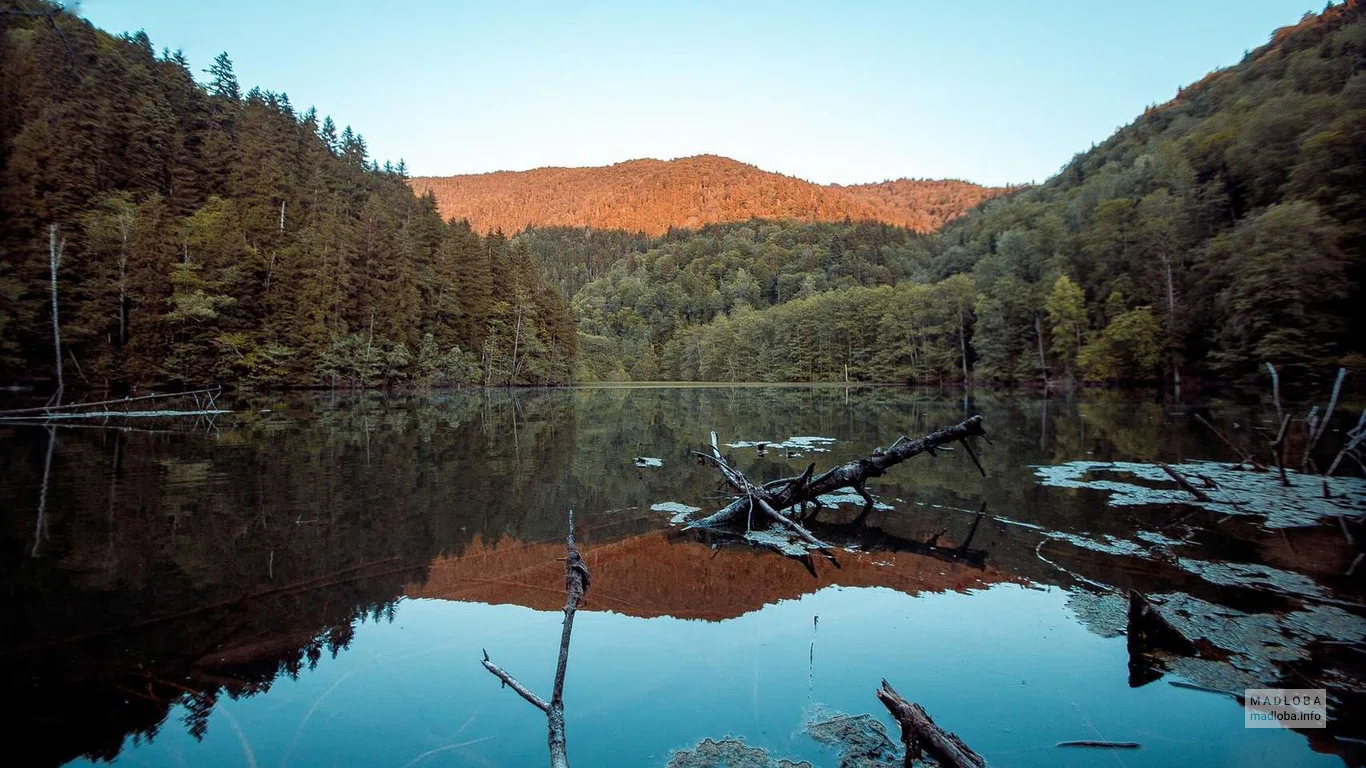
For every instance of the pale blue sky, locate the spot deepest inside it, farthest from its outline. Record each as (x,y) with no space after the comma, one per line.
(993,91)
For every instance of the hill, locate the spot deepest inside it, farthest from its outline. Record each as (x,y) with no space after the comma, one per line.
(653,196)
(1215,233)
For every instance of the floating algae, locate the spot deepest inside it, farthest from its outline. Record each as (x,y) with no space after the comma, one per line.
(728,753)
(1104,613)
(779,540)
(836,499)
(1230,491)
(1250,649)
(1253,575)
(680,511)
(805,443)
(861,742)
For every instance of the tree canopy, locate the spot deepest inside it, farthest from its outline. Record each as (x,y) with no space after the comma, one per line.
(221,235)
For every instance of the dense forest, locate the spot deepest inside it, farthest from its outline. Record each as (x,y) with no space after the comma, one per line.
(212,234)
(1219,231)
(207,233)
(652,196)
(632,297)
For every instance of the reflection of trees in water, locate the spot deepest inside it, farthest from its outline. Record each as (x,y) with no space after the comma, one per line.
(230,560)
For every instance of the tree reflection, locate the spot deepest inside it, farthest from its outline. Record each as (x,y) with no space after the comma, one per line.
(167,569)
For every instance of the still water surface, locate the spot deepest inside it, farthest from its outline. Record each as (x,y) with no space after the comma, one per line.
(311,580)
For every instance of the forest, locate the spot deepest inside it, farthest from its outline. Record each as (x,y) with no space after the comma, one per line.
(212,234)
(1216,233)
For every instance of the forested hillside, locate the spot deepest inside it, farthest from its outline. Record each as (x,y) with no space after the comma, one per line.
(1219,231)
(648,292)
(212,234)
(652,196)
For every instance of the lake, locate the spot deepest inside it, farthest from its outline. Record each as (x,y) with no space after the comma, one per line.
(312,580)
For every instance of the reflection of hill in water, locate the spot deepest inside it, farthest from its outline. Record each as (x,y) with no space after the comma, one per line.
(177,568)
(661,574)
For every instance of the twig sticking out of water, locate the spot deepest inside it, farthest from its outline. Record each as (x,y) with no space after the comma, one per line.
(1315,430)
(576,579)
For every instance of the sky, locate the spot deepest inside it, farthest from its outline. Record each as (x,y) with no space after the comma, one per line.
(992,91)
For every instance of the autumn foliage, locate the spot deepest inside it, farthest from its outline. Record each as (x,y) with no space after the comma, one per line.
(653,195)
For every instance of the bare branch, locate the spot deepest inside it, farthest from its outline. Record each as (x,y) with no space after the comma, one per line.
(511,682)
(576,579)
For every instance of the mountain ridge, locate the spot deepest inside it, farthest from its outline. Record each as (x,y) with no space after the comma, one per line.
(651,195)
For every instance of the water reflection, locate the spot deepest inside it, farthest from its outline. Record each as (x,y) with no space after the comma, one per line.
(160,580)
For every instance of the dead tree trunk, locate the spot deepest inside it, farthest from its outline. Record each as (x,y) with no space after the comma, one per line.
(920,734)
(1043,363)
(54,260)
(963,345)
(773,497)
(576,586)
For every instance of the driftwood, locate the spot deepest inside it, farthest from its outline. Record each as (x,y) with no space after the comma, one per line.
(1183,482)
(576,586)
(1101,744)
(919,733)
(209,404)
(770,499)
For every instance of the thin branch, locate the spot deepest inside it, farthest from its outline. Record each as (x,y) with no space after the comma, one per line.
(576,579)
(1275,388)
(511,682)
(1315,431)
(1247,457)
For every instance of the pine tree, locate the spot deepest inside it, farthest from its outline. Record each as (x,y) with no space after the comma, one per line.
(222,80)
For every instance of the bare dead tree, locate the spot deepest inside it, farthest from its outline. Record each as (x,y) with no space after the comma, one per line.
(54,260)
(1315,427)
(124,220)
(770,499)
(576,586)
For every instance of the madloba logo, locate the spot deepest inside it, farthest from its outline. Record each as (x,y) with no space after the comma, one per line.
(1285,708)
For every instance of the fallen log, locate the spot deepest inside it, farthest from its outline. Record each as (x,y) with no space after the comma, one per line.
(1101,744)
(1183,482)
(576,580)
(211,394)
(919,733)
(803,489)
